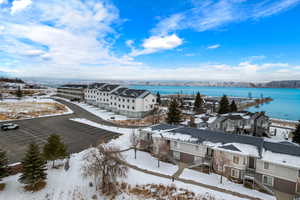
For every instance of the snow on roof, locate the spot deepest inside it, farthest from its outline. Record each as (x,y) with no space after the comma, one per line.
(211,119)
(281,159)
(237,148)
(176,136)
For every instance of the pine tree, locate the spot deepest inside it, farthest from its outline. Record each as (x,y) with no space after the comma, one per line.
(34,167)
(233,107)
(296,134)
(198,103)
(174,113)
(3,164)
(224,105)
(158,100)
(54,149)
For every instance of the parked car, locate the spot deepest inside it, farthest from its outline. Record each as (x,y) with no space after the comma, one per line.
(9,126)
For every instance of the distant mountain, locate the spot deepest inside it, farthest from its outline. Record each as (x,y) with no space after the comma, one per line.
(283,84)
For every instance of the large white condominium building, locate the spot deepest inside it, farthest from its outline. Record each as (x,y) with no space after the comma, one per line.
(116,98)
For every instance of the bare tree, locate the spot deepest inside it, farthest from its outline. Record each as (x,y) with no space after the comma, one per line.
(134,142)
(105,165)
(163,151)
(221,161)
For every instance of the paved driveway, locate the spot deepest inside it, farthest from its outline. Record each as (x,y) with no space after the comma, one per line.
(75,135)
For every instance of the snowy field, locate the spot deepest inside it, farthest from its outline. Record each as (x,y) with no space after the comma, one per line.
(27,108)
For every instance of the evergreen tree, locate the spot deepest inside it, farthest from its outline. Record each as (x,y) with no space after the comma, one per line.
(3,164)
(174,113)
(224,105)
(54,149)
(19,92)
(296,134)
(198,103)
(233,107)
(34,167)
(158,100)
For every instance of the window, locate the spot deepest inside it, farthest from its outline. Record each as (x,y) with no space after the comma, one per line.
(127,107)
(132,107)
(268,180)
(175,144)
(176,155)
(236,160)
(266,165)
(299,173)
(123,106)
(128,100)
(235,173)
(197,148)
(132,100)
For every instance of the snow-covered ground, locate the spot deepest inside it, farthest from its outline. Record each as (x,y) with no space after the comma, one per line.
(104,114)
(214,179)
(31,107)
(146,161)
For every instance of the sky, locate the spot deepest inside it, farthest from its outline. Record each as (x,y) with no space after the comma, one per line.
(195,40)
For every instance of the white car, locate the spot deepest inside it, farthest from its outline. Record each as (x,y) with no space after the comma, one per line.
(9,126)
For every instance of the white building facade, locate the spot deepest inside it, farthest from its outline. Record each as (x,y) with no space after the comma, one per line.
(121,100)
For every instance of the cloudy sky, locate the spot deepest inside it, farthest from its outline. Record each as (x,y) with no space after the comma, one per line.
(231,40)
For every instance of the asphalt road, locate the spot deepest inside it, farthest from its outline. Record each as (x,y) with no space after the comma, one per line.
(76,136)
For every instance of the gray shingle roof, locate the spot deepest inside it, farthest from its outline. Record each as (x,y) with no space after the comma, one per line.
(133,93)
(96,85)
(108,88)
(282,148)
(119,91)
(230,147)
(220,137)
(163,127)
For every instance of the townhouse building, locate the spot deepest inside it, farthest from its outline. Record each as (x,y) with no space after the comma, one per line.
(256,124)
(121,100)
(246,159)
(72,91)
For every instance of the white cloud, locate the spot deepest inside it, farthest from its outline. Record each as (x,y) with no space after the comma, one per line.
(3,1)
(221,72)
(19,5)
(158,43)
(207,14)
(215,46)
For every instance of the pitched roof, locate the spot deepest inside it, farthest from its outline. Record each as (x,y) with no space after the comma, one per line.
(96,85)
(163,127)
(133,93)
(108,87)
(119,90)
(282,148)
(230,147)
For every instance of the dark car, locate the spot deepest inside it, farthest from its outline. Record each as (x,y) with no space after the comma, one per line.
(9,126)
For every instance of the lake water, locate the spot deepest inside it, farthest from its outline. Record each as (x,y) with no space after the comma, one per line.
(285,104)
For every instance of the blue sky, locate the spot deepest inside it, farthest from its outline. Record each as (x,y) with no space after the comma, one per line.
(230,40)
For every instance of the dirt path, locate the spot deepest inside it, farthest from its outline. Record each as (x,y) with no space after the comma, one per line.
(190,181)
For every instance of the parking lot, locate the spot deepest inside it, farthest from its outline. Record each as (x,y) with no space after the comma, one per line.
(75,135)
